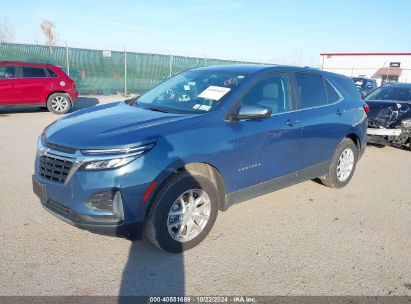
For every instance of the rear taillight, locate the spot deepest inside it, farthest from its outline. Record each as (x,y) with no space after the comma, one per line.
(366,108)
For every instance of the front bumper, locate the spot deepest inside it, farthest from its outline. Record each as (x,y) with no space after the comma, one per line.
(382,136)
(69,200)
(101,224)
(383,132)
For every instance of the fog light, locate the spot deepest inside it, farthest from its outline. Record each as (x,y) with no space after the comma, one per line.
(118,206)
(108,201)
(102,201)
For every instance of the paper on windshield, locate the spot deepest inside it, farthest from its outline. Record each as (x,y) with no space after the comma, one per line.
(214,92)
(201,107)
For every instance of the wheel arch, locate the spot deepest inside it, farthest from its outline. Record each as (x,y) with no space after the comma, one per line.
(205,169)
(58,91)
(355,138)
(213,174)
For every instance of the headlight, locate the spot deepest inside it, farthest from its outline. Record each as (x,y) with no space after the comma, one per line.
(112,158)
(406,123)
(108,163)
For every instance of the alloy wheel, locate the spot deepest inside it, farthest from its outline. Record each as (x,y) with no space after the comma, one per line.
(189,215)
(59,104)
(345,165)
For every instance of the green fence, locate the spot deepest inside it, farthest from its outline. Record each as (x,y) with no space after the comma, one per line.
(106,72)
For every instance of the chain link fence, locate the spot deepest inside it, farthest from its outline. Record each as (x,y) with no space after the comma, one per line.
(107,72)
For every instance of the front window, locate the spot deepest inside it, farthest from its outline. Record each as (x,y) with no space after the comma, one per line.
(7,72)
(191,92)
(272,91)
(390,93)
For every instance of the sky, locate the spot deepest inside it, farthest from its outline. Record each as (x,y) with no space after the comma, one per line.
(277,31)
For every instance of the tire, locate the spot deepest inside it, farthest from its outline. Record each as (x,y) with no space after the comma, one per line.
(59,103)
(159,217)
(335,177)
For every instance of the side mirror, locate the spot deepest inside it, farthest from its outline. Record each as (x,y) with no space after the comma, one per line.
(253,112)
(132,101)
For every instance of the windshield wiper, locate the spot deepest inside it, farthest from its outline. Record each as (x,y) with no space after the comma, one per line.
(162,110)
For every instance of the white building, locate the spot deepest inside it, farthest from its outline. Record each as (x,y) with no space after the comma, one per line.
(383,67)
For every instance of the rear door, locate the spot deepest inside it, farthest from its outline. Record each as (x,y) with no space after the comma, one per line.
(266,149)
(32,85)
(8,90)
(323,119)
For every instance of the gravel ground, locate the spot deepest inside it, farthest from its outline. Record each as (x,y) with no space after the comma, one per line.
(304,240)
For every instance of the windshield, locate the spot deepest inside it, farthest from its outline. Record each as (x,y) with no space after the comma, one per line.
(390,93)
(191,92)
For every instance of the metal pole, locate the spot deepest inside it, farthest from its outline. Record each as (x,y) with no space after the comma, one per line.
(388,71)
(170,63)
(67,60)
(125,72)
(322,63)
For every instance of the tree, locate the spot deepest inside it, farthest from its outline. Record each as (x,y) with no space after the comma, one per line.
(6,30)
(48,28)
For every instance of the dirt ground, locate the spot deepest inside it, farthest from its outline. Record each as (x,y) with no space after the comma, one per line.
(304,240)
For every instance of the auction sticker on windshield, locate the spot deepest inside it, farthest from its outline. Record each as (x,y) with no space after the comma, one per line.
(214,92)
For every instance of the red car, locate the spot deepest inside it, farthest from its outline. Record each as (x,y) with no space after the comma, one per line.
(33,84)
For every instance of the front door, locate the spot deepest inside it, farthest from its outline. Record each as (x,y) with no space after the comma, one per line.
(8,90)
(266,149)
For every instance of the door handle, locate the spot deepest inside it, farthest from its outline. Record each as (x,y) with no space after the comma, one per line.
(291,123)
(340,112)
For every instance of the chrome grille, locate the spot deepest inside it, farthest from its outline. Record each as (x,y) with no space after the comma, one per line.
(54,169)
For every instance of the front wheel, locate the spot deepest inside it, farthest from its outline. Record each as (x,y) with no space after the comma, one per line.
(342,165)
(183,212)
(59,103)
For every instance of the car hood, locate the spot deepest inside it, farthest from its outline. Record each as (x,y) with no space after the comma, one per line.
(387,113)
(115,125)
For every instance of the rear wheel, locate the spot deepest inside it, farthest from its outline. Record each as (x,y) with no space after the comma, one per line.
(342,165)
(59,103)
(183,212)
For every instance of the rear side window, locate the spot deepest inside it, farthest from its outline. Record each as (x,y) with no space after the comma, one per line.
(33,73)
(7,72)
(310,90)
(346,87)
(332,95)
(51,73)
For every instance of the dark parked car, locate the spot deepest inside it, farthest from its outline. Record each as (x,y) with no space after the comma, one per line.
(389,119)
(364,85)
(198,143)
(34,84)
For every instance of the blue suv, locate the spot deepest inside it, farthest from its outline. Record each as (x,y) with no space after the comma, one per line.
(167,162)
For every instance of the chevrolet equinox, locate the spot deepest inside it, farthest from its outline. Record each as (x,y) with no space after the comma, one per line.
(167,162)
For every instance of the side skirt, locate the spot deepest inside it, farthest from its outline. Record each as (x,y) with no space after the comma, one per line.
(275,184)
(29,105)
